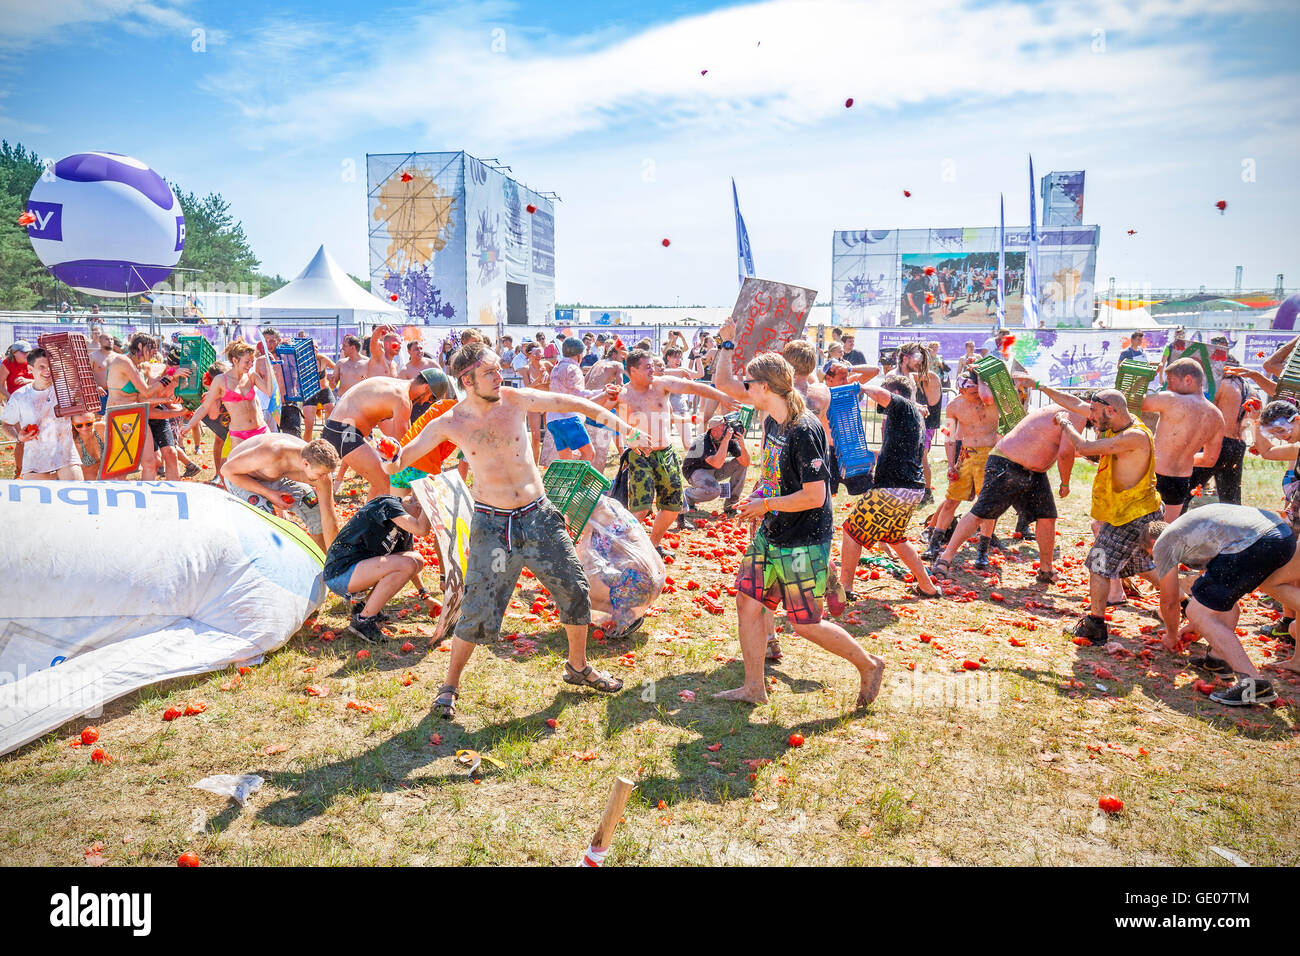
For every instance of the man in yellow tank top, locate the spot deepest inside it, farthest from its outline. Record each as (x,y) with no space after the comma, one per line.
(1124,500)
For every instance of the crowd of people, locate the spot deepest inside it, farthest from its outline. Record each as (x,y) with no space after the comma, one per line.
(508,409)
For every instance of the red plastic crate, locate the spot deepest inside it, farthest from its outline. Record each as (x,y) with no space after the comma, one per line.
(75,390)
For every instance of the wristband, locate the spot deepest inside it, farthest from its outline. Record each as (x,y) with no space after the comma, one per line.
(728,346)
(165,380)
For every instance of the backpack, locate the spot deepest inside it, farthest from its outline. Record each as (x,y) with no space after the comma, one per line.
(618,490)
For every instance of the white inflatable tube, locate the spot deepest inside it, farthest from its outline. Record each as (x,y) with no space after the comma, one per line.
(106,587)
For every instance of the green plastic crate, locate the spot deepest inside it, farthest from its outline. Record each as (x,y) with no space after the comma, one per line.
(197,355)
(748,416)
(1201,353)
(1288,383)
(1133,378)
(992,371)
(575,488)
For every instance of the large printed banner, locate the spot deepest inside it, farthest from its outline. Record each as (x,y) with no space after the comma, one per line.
(767,315)
(1063,198)
(1070,358)
(932,277)
(417,233)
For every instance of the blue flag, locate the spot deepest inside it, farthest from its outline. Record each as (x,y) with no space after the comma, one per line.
(1002,262)
(744,255)
(1029,294)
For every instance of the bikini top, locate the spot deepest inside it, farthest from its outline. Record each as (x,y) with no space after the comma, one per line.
(230,396)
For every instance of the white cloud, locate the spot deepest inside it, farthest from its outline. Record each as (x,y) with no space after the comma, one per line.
(27,23)
(437,74)
(1160,121)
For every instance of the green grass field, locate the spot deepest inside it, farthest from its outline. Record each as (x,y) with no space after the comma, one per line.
(999,765)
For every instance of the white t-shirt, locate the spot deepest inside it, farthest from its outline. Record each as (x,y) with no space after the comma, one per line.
(53,447)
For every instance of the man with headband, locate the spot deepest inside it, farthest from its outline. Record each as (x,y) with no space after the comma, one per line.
(514,524)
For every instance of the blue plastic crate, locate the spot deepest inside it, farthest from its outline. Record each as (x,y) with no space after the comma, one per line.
(300,369)
(851,450)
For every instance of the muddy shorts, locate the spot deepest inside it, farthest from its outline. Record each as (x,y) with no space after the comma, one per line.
(883,514)
(1174,489)
(306,503)
(1230,577)
(656,477)
(1116,553)
(345,437)
(503,543)
(795,577)
(1007,484)
(970,474)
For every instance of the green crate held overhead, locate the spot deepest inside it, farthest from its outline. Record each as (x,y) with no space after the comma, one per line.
(575,488)
(992,371)
(1199,352)
(197,355)
(1133,378)
(1288,383)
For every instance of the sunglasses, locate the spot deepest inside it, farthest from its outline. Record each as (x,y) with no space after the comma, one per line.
(85,425)
(752,381)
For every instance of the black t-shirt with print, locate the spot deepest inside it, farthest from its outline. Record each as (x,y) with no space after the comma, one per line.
(899,463)
(370,534)
(801,459)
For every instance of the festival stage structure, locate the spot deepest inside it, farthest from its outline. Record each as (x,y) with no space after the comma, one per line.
(455,241)
(880,277)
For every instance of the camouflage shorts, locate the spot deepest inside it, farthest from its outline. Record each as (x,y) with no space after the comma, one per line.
(499,548)
(657,475)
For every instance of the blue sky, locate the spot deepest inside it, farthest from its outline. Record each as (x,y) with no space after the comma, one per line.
(1161,102)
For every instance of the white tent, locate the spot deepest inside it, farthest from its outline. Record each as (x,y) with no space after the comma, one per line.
(324,290)
(1135,318)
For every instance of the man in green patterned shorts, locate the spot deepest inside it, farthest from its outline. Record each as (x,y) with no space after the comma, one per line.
(655,476)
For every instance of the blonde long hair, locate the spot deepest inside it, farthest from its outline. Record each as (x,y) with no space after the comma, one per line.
(776,373)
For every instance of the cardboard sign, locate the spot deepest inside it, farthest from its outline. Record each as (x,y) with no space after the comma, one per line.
(124,431)
(768,315)
(447,502)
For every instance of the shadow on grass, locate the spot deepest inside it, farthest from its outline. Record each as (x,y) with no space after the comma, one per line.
(744,740)
(1256,723)
(389,765)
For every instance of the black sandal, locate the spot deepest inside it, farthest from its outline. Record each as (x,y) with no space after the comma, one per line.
(590,677)
(444,705)
(915,591)
(627,631)
(940,569)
